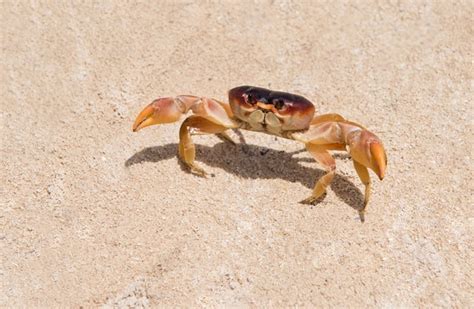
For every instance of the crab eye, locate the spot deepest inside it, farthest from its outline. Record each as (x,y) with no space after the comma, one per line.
(278,103)
(250,99)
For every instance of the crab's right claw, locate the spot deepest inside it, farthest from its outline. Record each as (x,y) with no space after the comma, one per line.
(368,150)
(164,110)
(379,159)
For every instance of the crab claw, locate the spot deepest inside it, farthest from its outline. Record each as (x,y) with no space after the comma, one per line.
(164,110)
(367,149)
(379,159)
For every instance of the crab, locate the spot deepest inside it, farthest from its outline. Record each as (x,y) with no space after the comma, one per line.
(277,113)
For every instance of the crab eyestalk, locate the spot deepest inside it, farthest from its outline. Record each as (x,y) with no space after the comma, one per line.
(367,149)
(164,110)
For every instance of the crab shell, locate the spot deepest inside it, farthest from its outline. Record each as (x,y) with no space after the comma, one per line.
(265,109)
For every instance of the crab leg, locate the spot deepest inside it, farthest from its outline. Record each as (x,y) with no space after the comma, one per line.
(191,126)
(326,117)
(332,132)
(322,156)
(168,110)
(210,117)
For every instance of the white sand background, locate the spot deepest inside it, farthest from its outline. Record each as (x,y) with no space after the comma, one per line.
(92,214)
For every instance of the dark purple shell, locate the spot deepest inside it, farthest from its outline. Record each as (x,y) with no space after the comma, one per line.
(295,103)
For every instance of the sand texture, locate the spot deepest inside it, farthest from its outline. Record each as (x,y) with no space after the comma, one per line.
(93,214)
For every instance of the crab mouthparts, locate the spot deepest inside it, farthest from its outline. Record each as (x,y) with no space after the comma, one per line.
(272,120)
(264,118)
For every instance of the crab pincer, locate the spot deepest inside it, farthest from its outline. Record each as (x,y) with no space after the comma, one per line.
(209,117)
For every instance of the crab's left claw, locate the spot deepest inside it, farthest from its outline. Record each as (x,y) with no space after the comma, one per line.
(164,110)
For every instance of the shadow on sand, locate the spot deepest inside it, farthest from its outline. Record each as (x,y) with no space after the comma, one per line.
(256,162)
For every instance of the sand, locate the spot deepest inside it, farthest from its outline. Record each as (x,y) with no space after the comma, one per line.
(93,214)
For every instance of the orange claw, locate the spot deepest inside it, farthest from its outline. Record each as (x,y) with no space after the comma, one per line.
(379,159)
(210,117)
(367,149)
(164,110)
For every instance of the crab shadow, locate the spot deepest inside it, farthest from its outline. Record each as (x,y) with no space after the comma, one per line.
(256,162)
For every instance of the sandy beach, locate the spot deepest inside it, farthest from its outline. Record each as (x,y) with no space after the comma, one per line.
(93,214)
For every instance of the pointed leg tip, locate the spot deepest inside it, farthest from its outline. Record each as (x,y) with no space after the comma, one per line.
(199,172)
(313,200)
(362,215)
(308,201)
(226,138)
(203,175)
